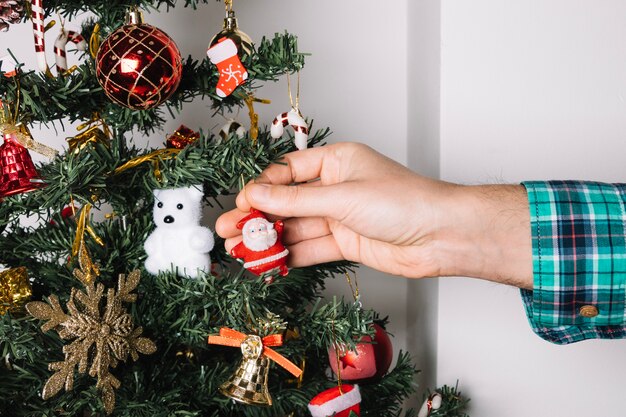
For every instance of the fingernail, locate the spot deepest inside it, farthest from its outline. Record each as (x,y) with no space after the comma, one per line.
(260,180)
(259,192)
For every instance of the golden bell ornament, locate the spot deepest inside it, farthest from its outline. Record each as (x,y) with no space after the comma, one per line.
(231,31)
(15,290)
(249,383)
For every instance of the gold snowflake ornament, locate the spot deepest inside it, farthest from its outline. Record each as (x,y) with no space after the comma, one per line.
(103,332)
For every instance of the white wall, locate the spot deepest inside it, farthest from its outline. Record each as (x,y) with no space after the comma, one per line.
(529,90)
(355,82)
(424,54)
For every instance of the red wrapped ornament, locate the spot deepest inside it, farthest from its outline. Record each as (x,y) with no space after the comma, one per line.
(369,362)
(138,65)
(261,249)
(182,137)
(337,402)
(17,170)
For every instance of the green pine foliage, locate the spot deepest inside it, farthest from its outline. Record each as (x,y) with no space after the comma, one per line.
(453,404)
(182,378)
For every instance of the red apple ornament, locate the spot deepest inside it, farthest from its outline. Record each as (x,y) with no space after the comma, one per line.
(369,362)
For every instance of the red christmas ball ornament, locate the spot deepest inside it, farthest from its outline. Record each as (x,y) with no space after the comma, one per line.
(368,362)
(17,170)
(138,65)
(337,402)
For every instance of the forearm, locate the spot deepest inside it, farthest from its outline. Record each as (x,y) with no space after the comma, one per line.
(484,232)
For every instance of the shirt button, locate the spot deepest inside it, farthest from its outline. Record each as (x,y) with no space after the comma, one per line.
(589,311)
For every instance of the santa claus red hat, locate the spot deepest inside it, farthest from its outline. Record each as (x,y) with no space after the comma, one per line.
(337,402)
(254,214)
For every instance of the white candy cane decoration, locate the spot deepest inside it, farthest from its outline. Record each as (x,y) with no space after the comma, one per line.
(433,402)
(59,47)
(38,32)
(297,122)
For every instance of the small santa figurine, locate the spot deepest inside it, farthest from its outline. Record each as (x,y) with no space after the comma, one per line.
(261,249)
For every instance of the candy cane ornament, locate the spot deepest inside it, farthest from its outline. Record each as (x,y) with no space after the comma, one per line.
(296,121)
(38,32)
(60,54)
(432,403)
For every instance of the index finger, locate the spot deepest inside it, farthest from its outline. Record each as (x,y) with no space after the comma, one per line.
(301,166)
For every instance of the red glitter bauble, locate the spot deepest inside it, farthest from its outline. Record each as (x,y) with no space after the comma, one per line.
(369,362)
(139,66)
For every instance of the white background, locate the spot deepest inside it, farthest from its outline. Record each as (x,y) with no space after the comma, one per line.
(475,92)
(529,90)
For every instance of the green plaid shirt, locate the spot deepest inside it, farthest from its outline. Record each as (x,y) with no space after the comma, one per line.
(579,260)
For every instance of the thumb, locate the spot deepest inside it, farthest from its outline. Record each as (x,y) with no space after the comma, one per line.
(296,200)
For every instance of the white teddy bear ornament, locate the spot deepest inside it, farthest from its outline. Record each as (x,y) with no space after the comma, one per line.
(179,243)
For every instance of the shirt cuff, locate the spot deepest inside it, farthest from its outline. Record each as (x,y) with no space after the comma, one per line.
(579,260)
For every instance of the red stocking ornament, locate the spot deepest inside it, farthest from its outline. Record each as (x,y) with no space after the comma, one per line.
(224,54)
(337,402)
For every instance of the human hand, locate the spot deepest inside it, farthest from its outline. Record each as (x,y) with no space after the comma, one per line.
(346,201)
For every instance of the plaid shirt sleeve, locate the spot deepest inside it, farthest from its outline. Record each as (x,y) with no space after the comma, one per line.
(579,260)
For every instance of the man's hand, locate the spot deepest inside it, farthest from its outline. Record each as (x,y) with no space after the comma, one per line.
(346,201)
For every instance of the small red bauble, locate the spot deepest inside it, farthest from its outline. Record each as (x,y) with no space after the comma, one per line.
(369,362)
(138,65)
(337,402)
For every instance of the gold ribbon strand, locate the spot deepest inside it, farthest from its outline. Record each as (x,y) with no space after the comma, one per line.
(88,270)
(154,157)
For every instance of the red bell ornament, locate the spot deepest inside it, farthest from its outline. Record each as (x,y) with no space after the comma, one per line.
(368,362)
(138,66)
(17,170)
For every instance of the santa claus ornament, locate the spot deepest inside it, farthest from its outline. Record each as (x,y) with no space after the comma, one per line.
(338,401)
(368,362)
(262,249)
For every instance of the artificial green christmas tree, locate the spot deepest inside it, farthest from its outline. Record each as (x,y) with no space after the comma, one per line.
(110,337)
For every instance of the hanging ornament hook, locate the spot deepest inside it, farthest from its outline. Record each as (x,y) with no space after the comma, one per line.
(337,353)
(294,105)
(354,289)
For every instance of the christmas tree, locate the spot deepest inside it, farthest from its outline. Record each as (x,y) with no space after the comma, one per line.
(107,330)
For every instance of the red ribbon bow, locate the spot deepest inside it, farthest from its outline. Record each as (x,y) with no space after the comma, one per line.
(233,338)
